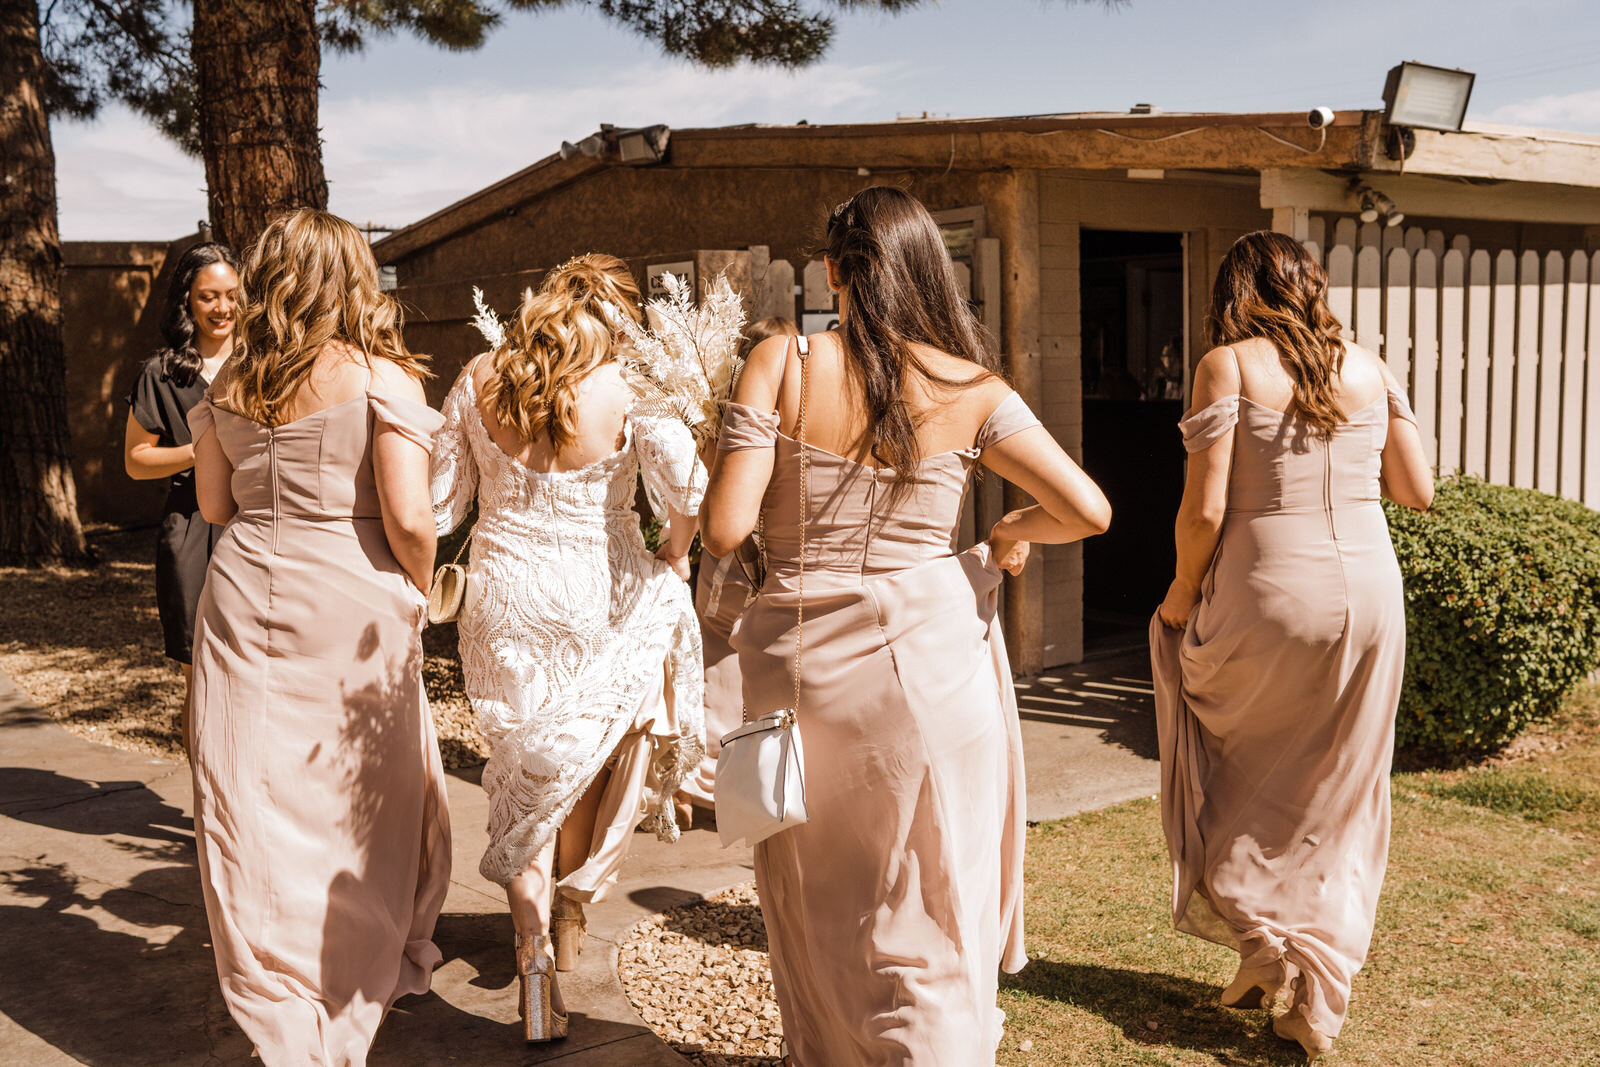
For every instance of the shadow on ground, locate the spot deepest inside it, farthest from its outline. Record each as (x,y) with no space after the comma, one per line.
(1185,1013)
(1112,694)
(90,961)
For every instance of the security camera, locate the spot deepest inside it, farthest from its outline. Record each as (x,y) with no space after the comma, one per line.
(1318,117)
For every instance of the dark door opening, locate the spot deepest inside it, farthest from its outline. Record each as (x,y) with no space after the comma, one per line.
(1133,308)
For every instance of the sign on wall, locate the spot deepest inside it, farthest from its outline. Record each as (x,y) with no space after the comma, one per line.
(653,284)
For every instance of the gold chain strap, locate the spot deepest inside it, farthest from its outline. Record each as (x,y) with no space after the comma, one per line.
(805,514)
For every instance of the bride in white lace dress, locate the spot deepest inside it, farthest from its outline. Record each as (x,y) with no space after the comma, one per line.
(581,652)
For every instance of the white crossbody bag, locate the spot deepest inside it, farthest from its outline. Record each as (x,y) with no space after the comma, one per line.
(761,780)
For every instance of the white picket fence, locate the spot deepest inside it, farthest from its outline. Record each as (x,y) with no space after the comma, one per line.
(1500,351)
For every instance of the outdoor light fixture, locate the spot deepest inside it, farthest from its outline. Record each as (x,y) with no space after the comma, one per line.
(1424,97)
(591,146)
(1369,207)
(647,144)
(1375,204)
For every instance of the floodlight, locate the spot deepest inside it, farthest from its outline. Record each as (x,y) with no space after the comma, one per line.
(1375,204)
(1426,97)
(591,146)
(648,144)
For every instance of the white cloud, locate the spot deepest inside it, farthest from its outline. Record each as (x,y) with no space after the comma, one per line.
(1579,112)
(118,178)
(392,158)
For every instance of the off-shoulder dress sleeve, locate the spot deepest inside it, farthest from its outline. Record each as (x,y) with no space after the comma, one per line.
(453,469)
(1204,428)
(746,427)
(1400,408)
(674,477)
(1011,416)
(202,417)
(415,422)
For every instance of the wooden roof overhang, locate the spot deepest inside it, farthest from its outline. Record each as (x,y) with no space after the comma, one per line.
(1354,143)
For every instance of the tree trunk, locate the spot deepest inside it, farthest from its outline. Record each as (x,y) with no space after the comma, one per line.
(257,76)
(38,501)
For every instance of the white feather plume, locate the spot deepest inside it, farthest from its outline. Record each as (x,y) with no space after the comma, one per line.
(684,363)
(487,322)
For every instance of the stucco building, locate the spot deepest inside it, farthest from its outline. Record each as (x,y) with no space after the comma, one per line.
(1089,242)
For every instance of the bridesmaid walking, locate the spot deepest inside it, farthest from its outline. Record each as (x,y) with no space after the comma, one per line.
(1279,649)
(324,842)
(721,593)
(197,325)
(891,912)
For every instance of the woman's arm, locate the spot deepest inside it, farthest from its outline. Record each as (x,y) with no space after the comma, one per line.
(739,478)
(213,479)
(1407,476)
(1070,505)
(1205,492)
(453,470)
(146,460)
(400,466)
(680,538)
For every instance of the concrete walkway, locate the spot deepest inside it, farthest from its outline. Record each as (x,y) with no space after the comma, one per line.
(105,958)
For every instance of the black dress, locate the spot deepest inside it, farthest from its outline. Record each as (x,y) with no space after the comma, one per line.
(183,547)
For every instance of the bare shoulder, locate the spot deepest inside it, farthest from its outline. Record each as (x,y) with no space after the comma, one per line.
(1217,375)
(762,375)
(392,379)
(477,369)
(1363,365)
(606,388)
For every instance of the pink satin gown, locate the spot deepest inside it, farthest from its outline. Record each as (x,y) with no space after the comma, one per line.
(1276,706)
(320,817)
(891,913)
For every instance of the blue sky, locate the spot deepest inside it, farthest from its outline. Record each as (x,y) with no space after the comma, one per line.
(409,128)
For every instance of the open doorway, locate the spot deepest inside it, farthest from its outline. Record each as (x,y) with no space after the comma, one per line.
(1134,367)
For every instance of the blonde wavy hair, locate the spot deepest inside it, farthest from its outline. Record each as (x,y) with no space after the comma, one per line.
(560,335)
(310,280)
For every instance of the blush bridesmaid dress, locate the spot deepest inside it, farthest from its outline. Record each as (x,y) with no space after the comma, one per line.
(1276,706)
(320,817)
(892,911)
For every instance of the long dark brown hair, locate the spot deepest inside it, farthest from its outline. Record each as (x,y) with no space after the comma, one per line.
(899,290)
(1269,286)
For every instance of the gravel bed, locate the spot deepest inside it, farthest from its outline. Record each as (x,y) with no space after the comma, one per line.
(698,976)
(85,644)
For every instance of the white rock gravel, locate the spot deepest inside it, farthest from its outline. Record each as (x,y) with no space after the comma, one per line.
(698,976)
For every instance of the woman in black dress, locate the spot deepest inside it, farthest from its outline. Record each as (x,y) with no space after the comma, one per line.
(197,325)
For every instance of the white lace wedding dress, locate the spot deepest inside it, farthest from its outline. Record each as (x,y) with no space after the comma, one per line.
(576,644)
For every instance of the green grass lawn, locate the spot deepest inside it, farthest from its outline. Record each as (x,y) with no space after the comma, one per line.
(1487,949)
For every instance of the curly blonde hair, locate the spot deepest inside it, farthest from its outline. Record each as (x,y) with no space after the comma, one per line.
(560,335)
(310,280)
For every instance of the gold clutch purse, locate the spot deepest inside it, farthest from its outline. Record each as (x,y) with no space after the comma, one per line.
(449,588)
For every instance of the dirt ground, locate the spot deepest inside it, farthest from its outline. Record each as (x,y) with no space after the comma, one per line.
(86,645)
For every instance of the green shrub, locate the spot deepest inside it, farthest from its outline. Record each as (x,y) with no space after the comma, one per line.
(1502,590)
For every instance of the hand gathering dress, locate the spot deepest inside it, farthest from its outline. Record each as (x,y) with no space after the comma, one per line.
(578,647)
(720,596)
(320,812)
(185,539)
(1276,706)
(890,914)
